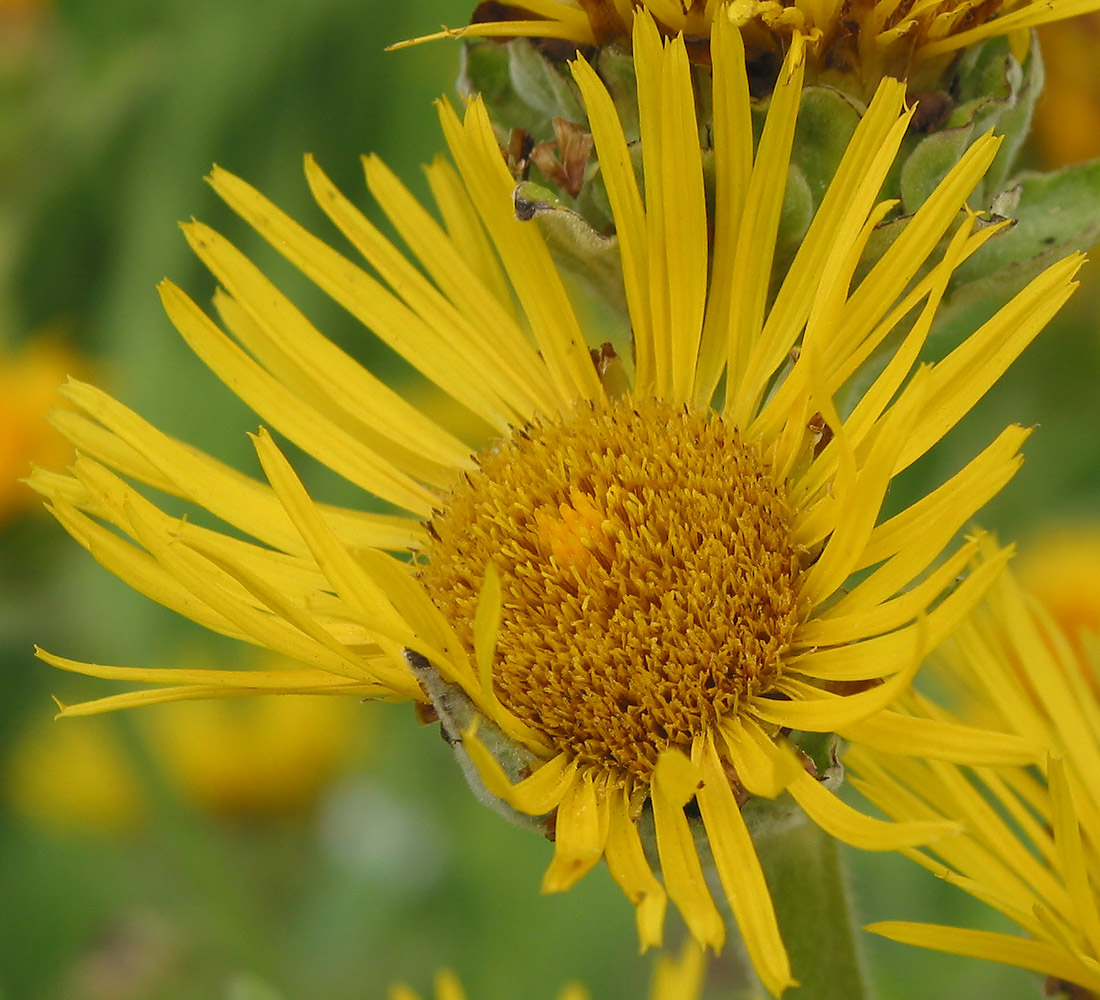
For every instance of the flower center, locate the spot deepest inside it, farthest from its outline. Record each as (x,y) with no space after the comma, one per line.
(649,576)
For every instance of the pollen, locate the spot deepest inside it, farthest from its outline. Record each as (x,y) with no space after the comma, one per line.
(648,571)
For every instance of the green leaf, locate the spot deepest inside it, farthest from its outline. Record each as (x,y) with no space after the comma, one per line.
(1056,214)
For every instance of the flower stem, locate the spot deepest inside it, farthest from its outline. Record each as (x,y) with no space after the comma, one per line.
(805,873)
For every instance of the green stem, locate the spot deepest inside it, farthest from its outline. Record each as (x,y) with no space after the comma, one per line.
(805,874)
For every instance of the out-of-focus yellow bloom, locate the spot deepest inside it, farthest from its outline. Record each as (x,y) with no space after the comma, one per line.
(76,777)
(1061,569)
(673,979)
(28,391)
(1067,116)
(1032,843)
(262,757)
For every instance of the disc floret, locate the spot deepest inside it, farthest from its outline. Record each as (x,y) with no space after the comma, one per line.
(648,570)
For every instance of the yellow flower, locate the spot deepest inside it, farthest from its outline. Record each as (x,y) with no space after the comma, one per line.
(1061,568)
(673,979)
(28,390)
(1030,849)
(639,587)
(866,38)
(265,757)
(1067,119)
(269,756)
(75,777)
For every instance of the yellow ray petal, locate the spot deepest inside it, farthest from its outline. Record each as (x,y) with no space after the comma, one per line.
(580,832)
(423,346)
(275,681)
(648,53)
(276,333)
(299,421)
(888,279)
(860,174)
(840,820)
(627,864)
(522,250)
(731,124)
(135,448)
(859,508)
(207,692)
(680,183)
(934,739)
(1038,956)
(626,207)
(759,227)
(469,236)
(878,656)
(820,712)
(1073,863)
(741,874)
(1030,15)
(966,374)
(675,781)
(456,277)
(507,380)
(977,482)
(342,571)
(832,628)
(139,570)
(536,795)
(764,768)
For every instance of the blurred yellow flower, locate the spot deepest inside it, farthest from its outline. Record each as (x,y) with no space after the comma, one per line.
(1031,847)
(1067,117)
(678,978)
(28,391)
(76,778)
(1061,568)
(621,608)
(264,757)
(867,39)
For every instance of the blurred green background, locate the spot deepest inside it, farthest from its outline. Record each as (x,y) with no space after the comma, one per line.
(305,852)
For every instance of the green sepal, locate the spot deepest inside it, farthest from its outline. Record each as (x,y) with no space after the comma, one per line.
(615,67)
(991,90)
(995,91)
(543,85)
(520,87)
(930,162)
(827,120)
(484,71)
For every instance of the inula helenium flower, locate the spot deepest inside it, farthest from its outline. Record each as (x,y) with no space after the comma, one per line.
(619,607)
(867,39)
(1030,847)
